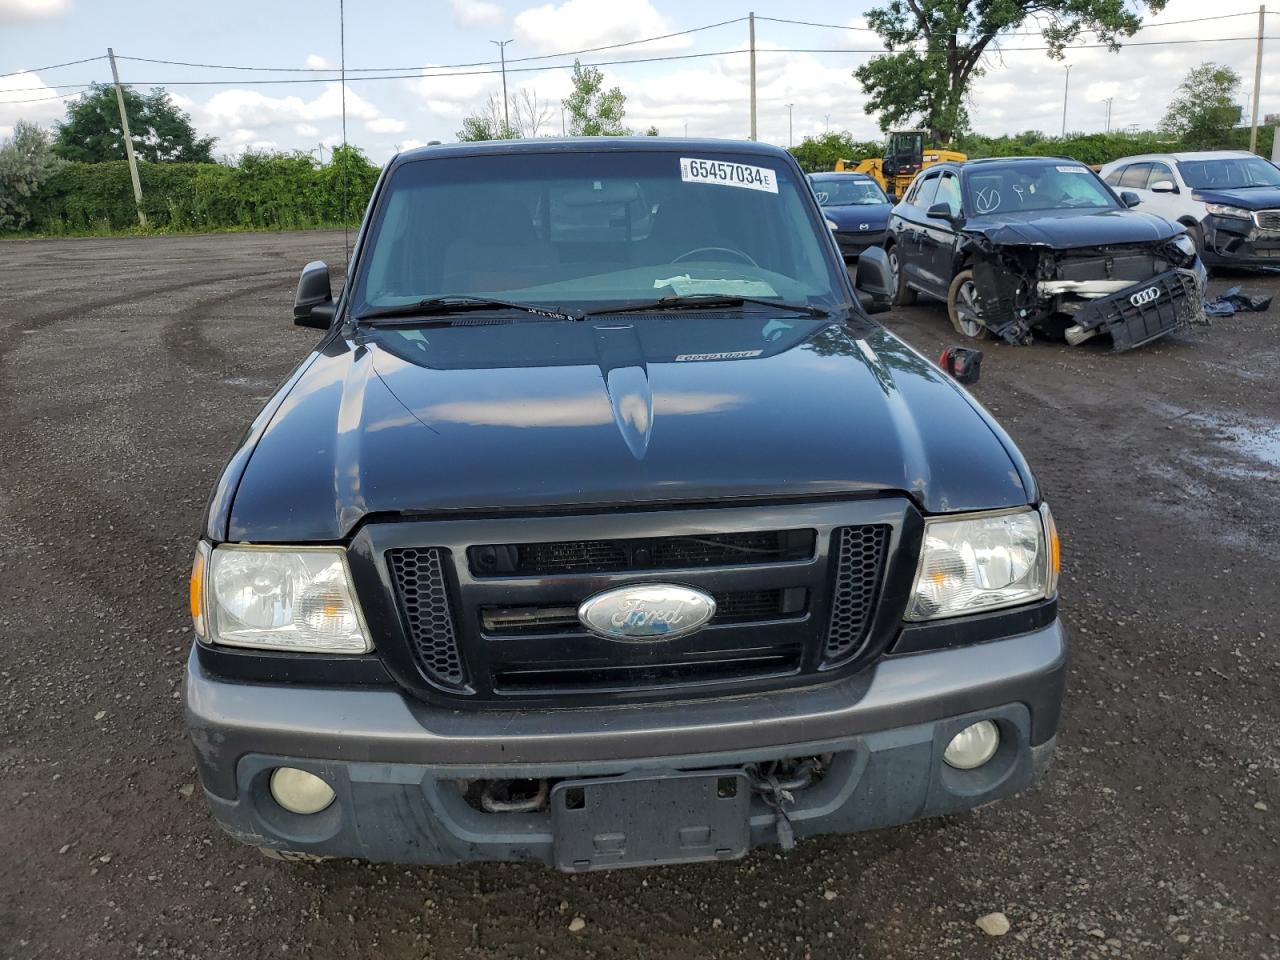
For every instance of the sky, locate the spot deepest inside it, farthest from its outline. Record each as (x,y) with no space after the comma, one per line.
(700,95)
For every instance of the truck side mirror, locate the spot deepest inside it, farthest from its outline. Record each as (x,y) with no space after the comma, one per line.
(1129,198)
(873,280)
(313,303)
(1164,186)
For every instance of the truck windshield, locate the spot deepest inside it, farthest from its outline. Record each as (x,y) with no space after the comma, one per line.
(1051,185)
(1232,173)
(833,192)
(589,229)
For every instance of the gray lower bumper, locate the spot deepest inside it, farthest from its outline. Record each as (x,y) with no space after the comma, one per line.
(395,762)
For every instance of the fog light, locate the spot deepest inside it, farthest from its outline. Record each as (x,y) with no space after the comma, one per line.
(973,746)
(300,792)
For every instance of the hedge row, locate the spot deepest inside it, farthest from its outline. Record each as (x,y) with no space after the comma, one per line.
(271,192)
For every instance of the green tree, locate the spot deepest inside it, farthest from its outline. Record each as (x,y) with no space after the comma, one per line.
(487,123)
(1204,112)
(26,162)
(161,133)
(937,49)
(652,131)
(594,111)
(821,152)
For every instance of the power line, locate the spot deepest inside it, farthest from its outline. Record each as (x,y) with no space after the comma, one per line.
(53,66)
(61,96)
(405,76)
(439,66)
(1019,33)
(438,74)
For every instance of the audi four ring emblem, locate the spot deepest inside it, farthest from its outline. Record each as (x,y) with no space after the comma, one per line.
(1143,297)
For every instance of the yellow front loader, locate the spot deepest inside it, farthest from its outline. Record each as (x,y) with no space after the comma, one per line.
(904,157)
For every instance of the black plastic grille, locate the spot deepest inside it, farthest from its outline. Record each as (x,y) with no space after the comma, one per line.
(734,606)
(658,553)
(859,559)
(424,602)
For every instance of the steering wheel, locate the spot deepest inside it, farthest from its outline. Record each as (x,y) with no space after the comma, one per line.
(728,250)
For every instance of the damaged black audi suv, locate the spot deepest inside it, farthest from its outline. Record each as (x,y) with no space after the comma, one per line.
(1016,245)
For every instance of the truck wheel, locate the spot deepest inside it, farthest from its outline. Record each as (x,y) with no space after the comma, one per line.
(964,308)
(903,296)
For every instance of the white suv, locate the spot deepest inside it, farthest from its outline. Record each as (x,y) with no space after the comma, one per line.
(1229,200)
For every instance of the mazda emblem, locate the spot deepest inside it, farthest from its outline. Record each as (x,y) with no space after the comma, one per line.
(864,226)
(649,612)
(1143,297)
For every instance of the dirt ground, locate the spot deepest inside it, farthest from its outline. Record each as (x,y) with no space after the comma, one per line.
(129,368)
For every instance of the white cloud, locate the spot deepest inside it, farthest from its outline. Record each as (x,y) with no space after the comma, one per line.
(578,24)
(476,13)
(24,96)
(386,125)
(16,10)
(317,62)
(306,130)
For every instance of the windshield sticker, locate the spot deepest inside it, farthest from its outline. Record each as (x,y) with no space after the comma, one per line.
(687,286)
(734,355)
(728,174)
(1072,170)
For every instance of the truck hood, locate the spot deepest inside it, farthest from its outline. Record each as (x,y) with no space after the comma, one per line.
(658,409)
(1250,198)
(1064,229)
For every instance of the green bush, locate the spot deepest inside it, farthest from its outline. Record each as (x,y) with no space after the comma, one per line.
(260,192)
(1091,148)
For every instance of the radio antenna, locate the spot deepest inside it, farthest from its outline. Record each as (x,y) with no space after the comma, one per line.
(342,70)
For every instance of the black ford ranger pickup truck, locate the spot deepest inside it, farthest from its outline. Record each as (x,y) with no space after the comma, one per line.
(603,528)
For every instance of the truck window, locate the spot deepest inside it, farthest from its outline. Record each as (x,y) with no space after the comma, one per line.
(588,229)
(1136,176)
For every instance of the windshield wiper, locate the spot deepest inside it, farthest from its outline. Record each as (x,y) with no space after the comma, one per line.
(700,301)
(442,306)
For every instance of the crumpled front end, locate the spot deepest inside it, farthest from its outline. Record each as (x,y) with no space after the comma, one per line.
(1136,293)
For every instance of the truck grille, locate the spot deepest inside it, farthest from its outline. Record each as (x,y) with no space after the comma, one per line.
(660,553)
(424,601)
(495,619)
(859,564)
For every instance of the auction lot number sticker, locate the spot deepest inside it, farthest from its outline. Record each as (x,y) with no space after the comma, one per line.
(728,174)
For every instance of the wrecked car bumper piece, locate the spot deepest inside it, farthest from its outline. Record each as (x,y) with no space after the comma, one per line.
(1143,312)
(414,783)
(1231,242)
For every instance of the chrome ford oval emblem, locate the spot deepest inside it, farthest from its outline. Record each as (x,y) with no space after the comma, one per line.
(1143,297)
(655,611)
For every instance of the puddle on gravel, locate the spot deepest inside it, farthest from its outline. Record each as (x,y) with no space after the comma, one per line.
(1254,441)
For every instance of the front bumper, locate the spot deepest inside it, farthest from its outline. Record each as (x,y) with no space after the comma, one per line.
(853,242)
(394,762)
(1144,312)
(1229,241)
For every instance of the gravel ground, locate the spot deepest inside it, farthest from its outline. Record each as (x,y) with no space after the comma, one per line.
(128,369)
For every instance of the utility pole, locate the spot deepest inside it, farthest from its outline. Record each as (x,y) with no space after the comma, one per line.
(791,136)
(128,140)
(1257,81)
(1108,103)
(502,51)
(1066,85)
(826,124)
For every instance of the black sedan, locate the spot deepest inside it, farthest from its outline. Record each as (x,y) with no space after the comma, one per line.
(857,207)
(1016,245)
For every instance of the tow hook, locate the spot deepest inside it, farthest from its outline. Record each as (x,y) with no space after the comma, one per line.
(778,792)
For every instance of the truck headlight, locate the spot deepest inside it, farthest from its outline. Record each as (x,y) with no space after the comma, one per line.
(1226,210)
(984,562)
(276,598)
